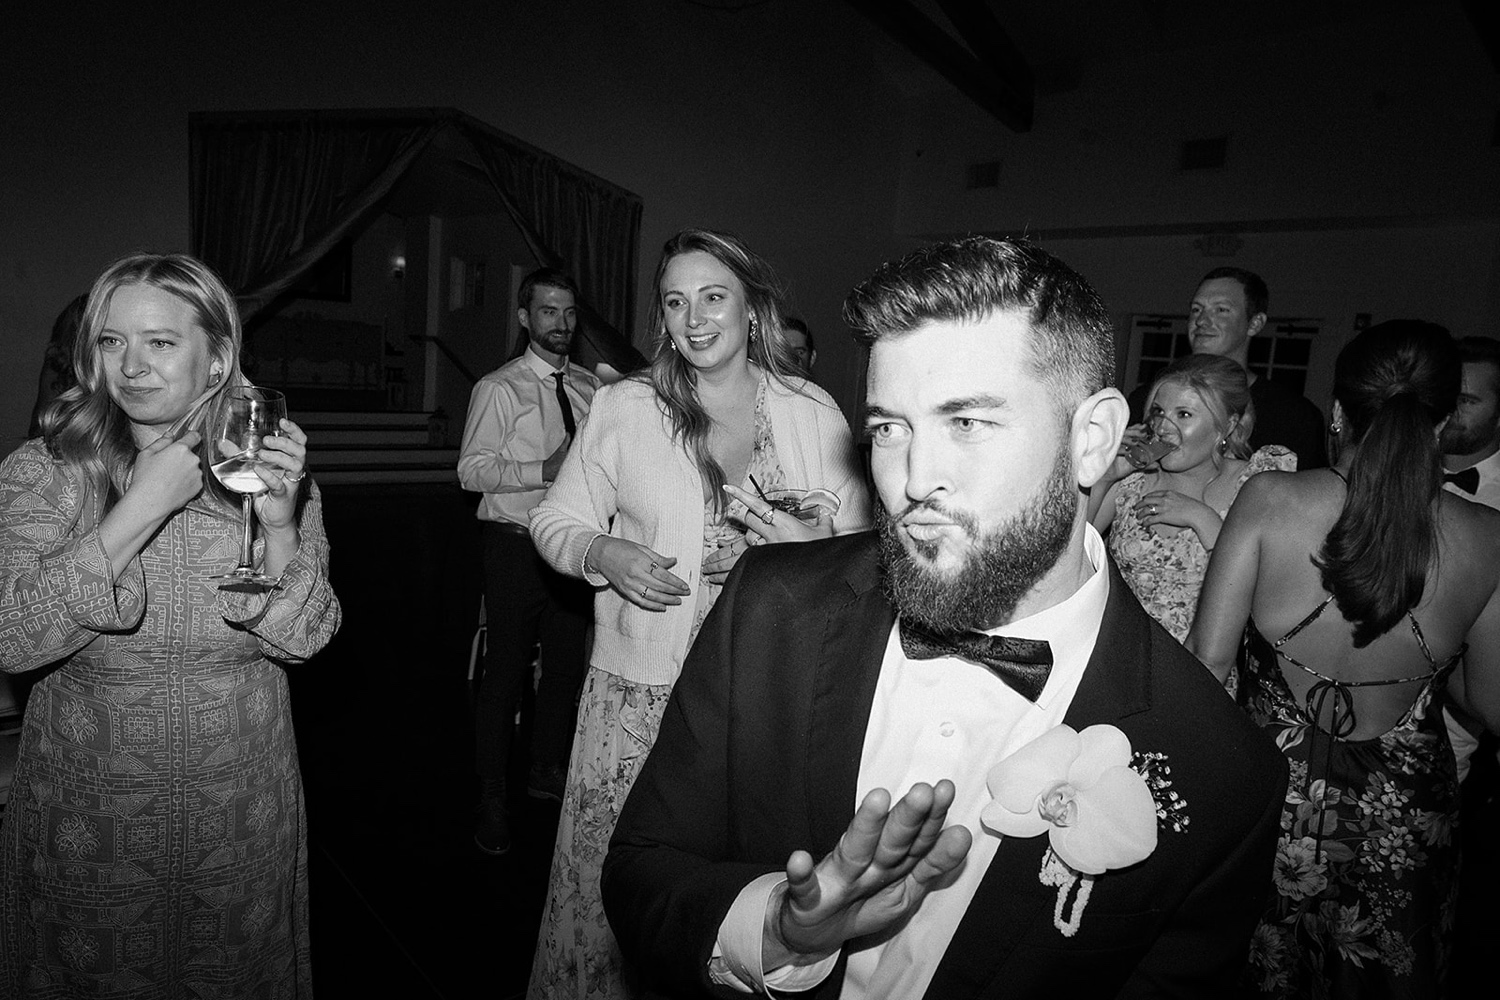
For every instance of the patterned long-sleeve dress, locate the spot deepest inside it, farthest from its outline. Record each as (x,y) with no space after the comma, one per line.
(154,843)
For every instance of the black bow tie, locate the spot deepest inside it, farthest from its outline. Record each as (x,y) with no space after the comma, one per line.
(1022,663)
(1467,480)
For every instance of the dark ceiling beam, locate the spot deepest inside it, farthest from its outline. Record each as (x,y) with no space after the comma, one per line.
(979,27)
(1005,95)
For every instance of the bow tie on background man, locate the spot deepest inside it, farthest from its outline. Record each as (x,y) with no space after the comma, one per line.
(1467,480)
(1022,663)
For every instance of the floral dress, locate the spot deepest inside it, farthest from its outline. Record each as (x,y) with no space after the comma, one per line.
(577,956)
(1165,572)
(1367,864)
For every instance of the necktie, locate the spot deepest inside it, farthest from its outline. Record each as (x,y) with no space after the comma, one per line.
(1467,480)
(569,424)
(1022,663)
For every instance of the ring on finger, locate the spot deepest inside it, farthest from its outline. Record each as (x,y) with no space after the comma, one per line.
(769,517)
(294,479)
(652,567)
(645,591)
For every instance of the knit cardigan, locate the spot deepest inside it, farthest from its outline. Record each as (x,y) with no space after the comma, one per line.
(627,477)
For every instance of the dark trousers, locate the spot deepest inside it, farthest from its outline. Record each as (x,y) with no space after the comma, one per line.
(525,600)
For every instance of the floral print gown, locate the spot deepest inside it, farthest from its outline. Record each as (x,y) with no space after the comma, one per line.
(1166,572)
(576,955)
(153,844)
(1367,864)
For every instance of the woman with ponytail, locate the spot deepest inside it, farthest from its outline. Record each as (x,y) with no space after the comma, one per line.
(656,501)
(1362,586)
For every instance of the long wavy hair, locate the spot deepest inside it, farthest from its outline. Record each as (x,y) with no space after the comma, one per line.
(1396,382)
(1224,389)
(676,381)
(84,428)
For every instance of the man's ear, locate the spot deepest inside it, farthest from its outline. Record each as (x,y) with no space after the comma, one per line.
(1098,424)
(1257,324)
(525,318)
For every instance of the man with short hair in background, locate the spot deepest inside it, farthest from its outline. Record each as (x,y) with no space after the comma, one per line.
(800,340)
(1471,469)
(522,418)
(1471,437)
(1228,308)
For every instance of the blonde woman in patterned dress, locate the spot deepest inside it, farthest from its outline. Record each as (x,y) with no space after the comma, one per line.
(654,504)
(1162,522)
(153,844)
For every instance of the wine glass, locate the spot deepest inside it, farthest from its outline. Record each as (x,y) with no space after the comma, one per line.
(1154,445)
(250,414)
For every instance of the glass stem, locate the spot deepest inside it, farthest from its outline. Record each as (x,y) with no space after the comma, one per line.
(248,500)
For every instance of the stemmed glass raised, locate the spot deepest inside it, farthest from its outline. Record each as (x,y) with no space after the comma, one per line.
(250,415)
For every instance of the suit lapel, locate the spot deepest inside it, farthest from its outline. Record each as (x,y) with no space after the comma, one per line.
(1010,898)
(845,670)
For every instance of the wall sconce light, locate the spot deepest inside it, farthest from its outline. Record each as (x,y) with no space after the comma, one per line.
(398,267)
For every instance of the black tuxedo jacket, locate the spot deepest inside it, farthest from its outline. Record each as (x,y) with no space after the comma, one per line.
(759,755)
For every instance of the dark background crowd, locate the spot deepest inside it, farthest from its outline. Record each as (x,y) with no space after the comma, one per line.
(1164,148)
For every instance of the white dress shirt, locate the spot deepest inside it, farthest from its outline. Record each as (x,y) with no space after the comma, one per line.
(1465,742)
(932,719)
(514,423)
(1488,492)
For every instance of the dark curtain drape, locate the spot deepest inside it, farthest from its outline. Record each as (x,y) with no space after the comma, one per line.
(575,221)
(272,194)
(271,198)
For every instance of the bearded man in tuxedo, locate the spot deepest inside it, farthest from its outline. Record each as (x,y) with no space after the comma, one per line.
(984,618)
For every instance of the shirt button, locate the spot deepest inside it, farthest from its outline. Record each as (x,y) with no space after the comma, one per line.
(946,729)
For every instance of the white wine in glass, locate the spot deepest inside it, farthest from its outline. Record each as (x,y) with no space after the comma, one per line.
(250,415)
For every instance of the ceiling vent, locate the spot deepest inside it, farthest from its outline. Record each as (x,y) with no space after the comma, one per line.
(1204,154)
(984,175)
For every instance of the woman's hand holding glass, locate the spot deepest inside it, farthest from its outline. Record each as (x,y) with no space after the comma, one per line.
(638,574)
(772,524)
(282,466)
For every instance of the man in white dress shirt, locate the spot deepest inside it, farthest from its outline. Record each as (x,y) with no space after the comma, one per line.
(845,677)
(1471,437)
(522,418)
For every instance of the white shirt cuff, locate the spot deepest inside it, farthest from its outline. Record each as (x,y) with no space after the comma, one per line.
(736,959)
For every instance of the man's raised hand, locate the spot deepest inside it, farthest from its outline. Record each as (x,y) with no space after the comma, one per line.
(883,866)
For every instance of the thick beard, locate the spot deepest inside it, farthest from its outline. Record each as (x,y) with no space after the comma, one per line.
(1462,440)
(1000,569)
(555,341)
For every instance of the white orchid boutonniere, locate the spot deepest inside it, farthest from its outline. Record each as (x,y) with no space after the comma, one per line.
(1097,810)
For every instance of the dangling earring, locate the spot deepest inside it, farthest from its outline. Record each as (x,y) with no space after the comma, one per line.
(1335,428)
(754,330)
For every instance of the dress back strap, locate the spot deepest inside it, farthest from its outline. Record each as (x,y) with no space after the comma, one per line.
(1316,613)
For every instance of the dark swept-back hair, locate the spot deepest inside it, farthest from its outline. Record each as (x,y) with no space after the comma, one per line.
(1257,295)
(84,428)
(676,381)
(968,280)
(546,277)
(1395,381)
(1481,351)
